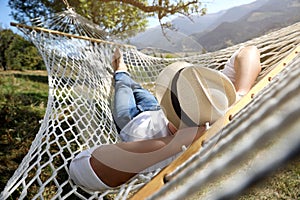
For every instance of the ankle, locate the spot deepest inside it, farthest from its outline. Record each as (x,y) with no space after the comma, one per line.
(118,62)
(121,66)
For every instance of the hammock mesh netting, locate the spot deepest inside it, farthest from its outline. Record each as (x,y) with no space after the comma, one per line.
(78,59)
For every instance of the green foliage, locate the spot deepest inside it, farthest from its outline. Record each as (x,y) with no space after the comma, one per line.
(6,37)
(16,53)
(113,17)
(169,55)
(122,18)
(29,9)
(118,19)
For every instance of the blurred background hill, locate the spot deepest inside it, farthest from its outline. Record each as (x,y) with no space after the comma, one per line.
(222,29)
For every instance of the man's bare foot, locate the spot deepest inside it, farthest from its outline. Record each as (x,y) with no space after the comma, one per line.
(117,61)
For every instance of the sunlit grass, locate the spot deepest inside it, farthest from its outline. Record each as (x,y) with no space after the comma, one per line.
(23,100)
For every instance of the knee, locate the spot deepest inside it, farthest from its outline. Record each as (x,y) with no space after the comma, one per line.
(255,55)
(248,58)
(249,54)
(251,50)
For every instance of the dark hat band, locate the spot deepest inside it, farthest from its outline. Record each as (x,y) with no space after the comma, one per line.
(175,102)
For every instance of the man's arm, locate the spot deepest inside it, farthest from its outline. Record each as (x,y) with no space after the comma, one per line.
(115,164)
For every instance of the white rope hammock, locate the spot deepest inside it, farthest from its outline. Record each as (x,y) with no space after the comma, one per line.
(77,56)
(261,137)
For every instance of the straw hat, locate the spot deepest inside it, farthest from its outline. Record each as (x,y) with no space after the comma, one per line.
(199,94)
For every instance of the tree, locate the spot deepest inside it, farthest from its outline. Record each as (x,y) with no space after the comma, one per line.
(18,53)
(6,37)
(117,17)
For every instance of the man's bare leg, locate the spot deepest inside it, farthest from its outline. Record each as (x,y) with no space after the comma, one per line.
(247,66)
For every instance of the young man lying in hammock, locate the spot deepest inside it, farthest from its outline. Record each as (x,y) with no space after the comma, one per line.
(154,132)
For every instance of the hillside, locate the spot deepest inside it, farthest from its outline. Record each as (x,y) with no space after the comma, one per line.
(222,29)
(174,42)
(211,21)
(273,15)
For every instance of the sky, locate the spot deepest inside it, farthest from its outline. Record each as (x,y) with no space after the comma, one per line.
(5,19)
(217,5)
(213,6)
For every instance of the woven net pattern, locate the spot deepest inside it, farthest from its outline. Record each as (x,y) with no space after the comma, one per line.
(77,56)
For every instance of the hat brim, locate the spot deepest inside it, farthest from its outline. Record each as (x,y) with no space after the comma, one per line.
(163,92)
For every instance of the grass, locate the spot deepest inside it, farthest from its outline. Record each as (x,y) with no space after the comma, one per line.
(23,100)
(283,183)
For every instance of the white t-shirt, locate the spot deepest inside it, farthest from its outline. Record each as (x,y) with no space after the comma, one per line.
(146,125)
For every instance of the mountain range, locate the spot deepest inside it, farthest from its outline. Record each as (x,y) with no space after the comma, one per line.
(215,31)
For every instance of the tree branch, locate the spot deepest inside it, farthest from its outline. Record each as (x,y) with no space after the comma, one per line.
(163,8)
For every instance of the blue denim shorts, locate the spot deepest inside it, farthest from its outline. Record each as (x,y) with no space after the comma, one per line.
(131,99)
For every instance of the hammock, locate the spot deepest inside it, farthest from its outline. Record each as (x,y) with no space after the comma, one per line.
(77,56)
